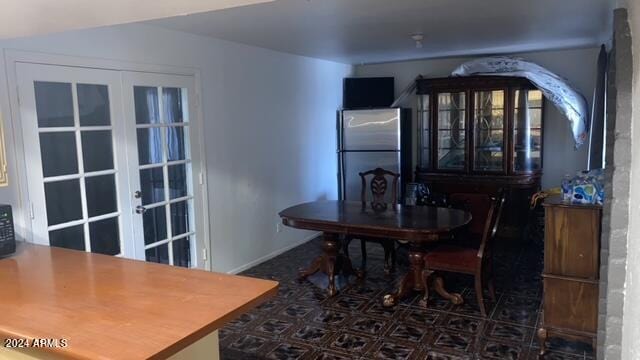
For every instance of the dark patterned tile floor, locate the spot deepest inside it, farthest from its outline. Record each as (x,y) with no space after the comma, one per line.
(302,322)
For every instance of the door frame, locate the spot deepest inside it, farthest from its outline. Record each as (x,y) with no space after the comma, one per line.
(14,122)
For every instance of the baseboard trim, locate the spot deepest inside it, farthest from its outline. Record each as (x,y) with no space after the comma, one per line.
(273,254)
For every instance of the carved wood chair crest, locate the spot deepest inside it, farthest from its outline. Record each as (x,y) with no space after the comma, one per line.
(378,187)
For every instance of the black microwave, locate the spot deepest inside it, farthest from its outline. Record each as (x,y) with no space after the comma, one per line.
(7,234)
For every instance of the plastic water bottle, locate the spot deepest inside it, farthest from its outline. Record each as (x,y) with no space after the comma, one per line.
(566,188)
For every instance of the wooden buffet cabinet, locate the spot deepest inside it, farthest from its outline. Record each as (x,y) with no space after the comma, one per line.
(475,136)
(571,271)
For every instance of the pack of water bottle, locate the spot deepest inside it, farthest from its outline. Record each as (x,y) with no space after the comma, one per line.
(585,187)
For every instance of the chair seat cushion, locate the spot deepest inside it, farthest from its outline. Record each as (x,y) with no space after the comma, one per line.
(452,258)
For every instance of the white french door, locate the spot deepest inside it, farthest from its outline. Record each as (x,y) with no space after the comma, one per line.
(109,160)
(76,173)
(158,109)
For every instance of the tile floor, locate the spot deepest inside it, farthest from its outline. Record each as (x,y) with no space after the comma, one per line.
(303,323)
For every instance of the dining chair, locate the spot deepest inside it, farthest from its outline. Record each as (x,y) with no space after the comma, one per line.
(378,186)
(476,261)
(478,205)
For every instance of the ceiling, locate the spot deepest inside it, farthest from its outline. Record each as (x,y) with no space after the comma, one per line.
(21,18)
(370,31)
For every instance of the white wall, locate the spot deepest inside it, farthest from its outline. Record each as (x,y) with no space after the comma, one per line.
(269,127)
(631,317)
(578,66)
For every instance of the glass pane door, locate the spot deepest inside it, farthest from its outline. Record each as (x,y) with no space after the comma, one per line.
(163,180)
(451,131)
(75,172)
(488,122)
(527,130)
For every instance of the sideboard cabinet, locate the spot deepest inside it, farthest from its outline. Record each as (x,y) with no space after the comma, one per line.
(481,134)
(571,271)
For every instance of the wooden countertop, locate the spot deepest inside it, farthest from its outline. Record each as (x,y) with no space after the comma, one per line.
(113,308)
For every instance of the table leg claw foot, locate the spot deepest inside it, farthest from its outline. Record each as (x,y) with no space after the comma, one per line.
(406,285)
(438,286)
(457,299)
(389,300)
(313,268)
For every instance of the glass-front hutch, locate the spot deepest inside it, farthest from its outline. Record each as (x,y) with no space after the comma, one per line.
(481,134)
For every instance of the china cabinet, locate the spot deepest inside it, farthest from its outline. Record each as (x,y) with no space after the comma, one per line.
(481,134)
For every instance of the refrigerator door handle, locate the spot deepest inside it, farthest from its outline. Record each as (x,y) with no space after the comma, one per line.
(339,131)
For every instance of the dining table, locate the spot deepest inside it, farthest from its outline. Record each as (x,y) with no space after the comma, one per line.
(418,226)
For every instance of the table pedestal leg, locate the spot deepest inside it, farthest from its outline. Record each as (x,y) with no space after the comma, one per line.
(417,280)
(331,262)
(414,280)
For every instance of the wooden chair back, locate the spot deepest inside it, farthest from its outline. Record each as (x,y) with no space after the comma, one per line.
(379,186)
(478,205)
(491,225)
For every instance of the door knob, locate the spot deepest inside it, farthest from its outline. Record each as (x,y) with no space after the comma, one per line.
(140,209)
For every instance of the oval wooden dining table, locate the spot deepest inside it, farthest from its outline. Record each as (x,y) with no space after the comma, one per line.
(417,225)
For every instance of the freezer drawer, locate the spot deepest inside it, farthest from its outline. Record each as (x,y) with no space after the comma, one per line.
(355,162)
(371,129)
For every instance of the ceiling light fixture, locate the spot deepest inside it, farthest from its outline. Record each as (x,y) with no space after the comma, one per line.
(418,37)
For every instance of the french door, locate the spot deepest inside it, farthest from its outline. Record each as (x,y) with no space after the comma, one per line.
(109,160)
(162,166)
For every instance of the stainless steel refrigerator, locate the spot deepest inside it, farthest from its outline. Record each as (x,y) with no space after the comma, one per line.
(373,138)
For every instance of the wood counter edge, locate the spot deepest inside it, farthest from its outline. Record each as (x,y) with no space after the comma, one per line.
(169,350)
(204,331)
(173,348)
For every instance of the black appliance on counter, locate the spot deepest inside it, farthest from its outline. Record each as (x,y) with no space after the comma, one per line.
(7,234)
(367,93)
